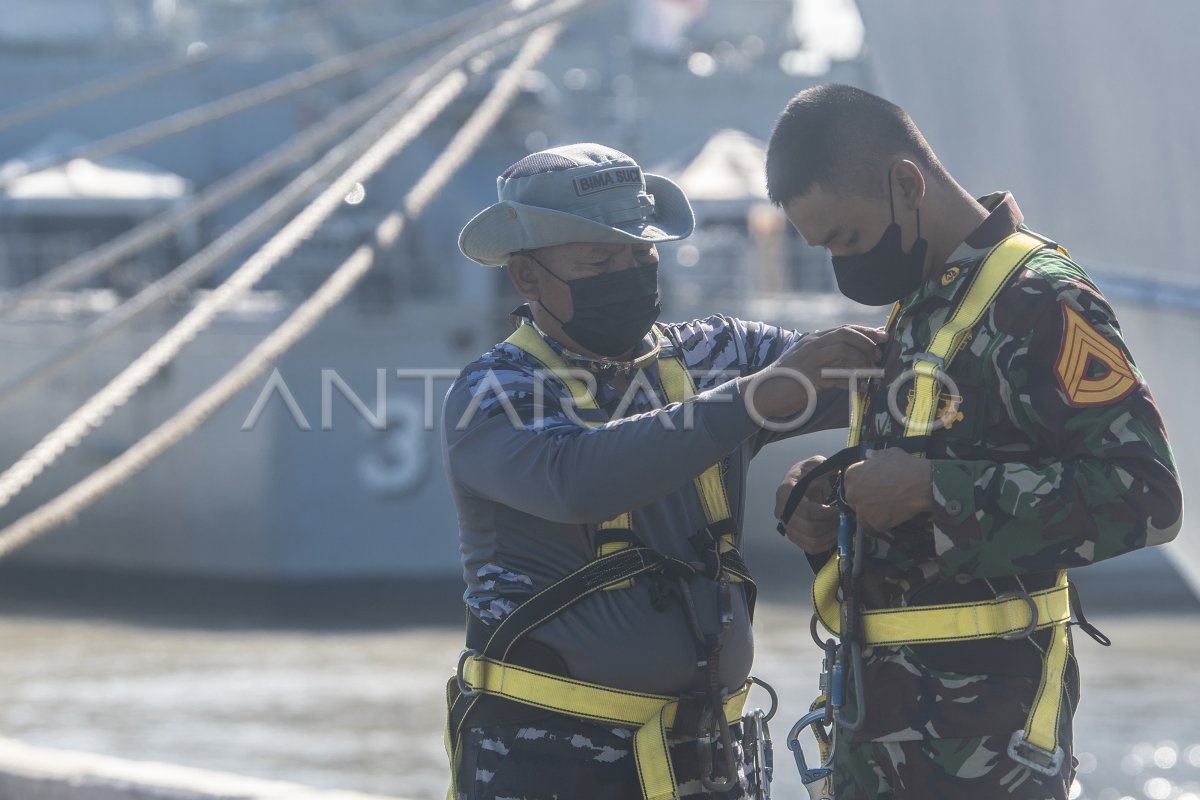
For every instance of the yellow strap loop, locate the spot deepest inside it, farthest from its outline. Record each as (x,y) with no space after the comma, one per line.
(858,404)
(1041,727)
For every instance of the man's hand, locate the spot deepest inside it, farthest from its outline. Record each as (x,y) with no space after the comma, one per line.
(776,391)
(814,525)
(888,488)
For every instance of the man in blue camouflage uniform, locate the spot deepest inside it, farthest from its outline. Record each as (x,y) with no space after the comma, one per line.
(576,229)
(1050,453)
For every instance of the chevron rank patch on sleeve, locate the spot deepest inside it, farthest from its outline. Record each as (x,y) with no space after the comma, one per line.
(1091,369)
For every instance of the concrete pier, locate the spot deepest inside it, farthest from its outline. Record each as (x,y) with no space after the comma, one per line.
(40,773)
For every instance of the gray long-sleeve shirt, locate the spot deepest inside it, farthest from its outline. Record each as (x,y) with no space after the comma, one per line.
(531,485)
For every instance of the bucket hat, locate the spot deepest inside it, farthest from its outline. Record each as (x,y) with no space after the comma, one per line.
(576,193)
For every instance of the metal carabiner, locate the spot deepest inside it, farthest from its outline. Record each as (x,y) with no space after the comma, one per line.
(860,699)
(770,715)
(714,729)
(756,742)
(810,774)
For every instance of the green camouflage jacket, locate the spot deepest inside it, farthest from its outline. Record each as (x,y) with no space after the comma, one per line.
(1053,456)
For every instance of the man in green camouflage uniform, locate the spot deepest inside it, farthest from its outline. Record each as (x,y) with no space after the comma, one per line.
(1050,452)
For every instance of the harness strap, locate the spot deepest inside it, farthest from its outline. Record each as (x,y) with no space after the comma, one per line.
(677,385)
(556,598)
(1014,615)
(486,673)
(835,463)
(1041,726)
(858,402)
(652,714)
(1004,260)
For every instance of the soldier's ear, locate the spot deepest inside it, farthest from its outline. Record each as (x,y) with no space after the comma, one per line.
(908,184)
(523,274)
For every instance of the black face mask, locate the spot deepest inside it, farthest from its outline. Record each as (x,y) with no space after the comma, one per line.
(613,310)
(885,273)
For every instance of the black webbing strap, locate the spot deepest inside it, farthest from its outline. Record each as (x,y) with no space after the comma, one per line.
(842,459)
(543,606)
(558,596)
(1081,621)
(835,463)
(733,564)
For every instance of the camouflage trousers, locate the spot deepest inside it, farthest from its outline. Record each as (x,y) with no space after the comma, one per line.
(562,758)
(975,768)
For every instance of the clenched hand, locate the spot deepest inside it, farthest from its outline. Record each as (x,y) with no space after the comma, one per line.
(813,527)
(776,392)
(888,488)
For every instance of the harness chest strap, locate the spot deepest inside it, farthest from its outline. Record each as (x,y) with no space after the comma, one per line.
(1008,615)
(998,267)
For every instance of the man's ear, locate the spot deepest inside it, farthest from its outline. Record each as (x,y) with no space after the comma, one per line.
(909,184)
(523,274)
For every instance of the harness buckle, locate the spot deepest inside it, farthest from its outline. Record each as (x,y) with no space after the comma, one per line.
(463,688)
(707,544)
(931,358)
(1029,755)
(1033,615)
(724,604)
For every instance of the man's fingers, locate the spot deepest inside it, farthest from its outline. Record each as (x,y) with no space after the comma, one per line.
(810,512)
(797,471)
(876,335)
(812,539)
(816,513)
(781,496)
(819,489)
(848,353)
(850,483)
(815,495)
(859,335)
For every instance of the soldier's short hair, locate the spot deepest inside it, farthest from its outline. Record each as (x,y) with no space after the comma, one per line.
(840,137)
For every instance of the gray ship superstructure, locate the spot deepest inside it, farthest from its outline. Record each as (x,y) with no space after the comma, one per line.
(310,485)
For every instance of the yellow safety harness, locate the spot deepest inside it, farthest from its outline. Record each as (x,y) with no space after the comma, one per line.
(1011,615)
(620,560)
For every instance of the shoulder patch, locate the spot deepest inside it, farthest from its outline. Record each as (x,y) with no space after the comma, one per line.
(1091,369)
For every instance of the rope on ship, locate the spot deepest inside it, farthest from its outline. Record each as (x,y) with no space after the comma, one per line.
(546,24)
(298,81)
(226,190)
(411,84)
(136,76)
